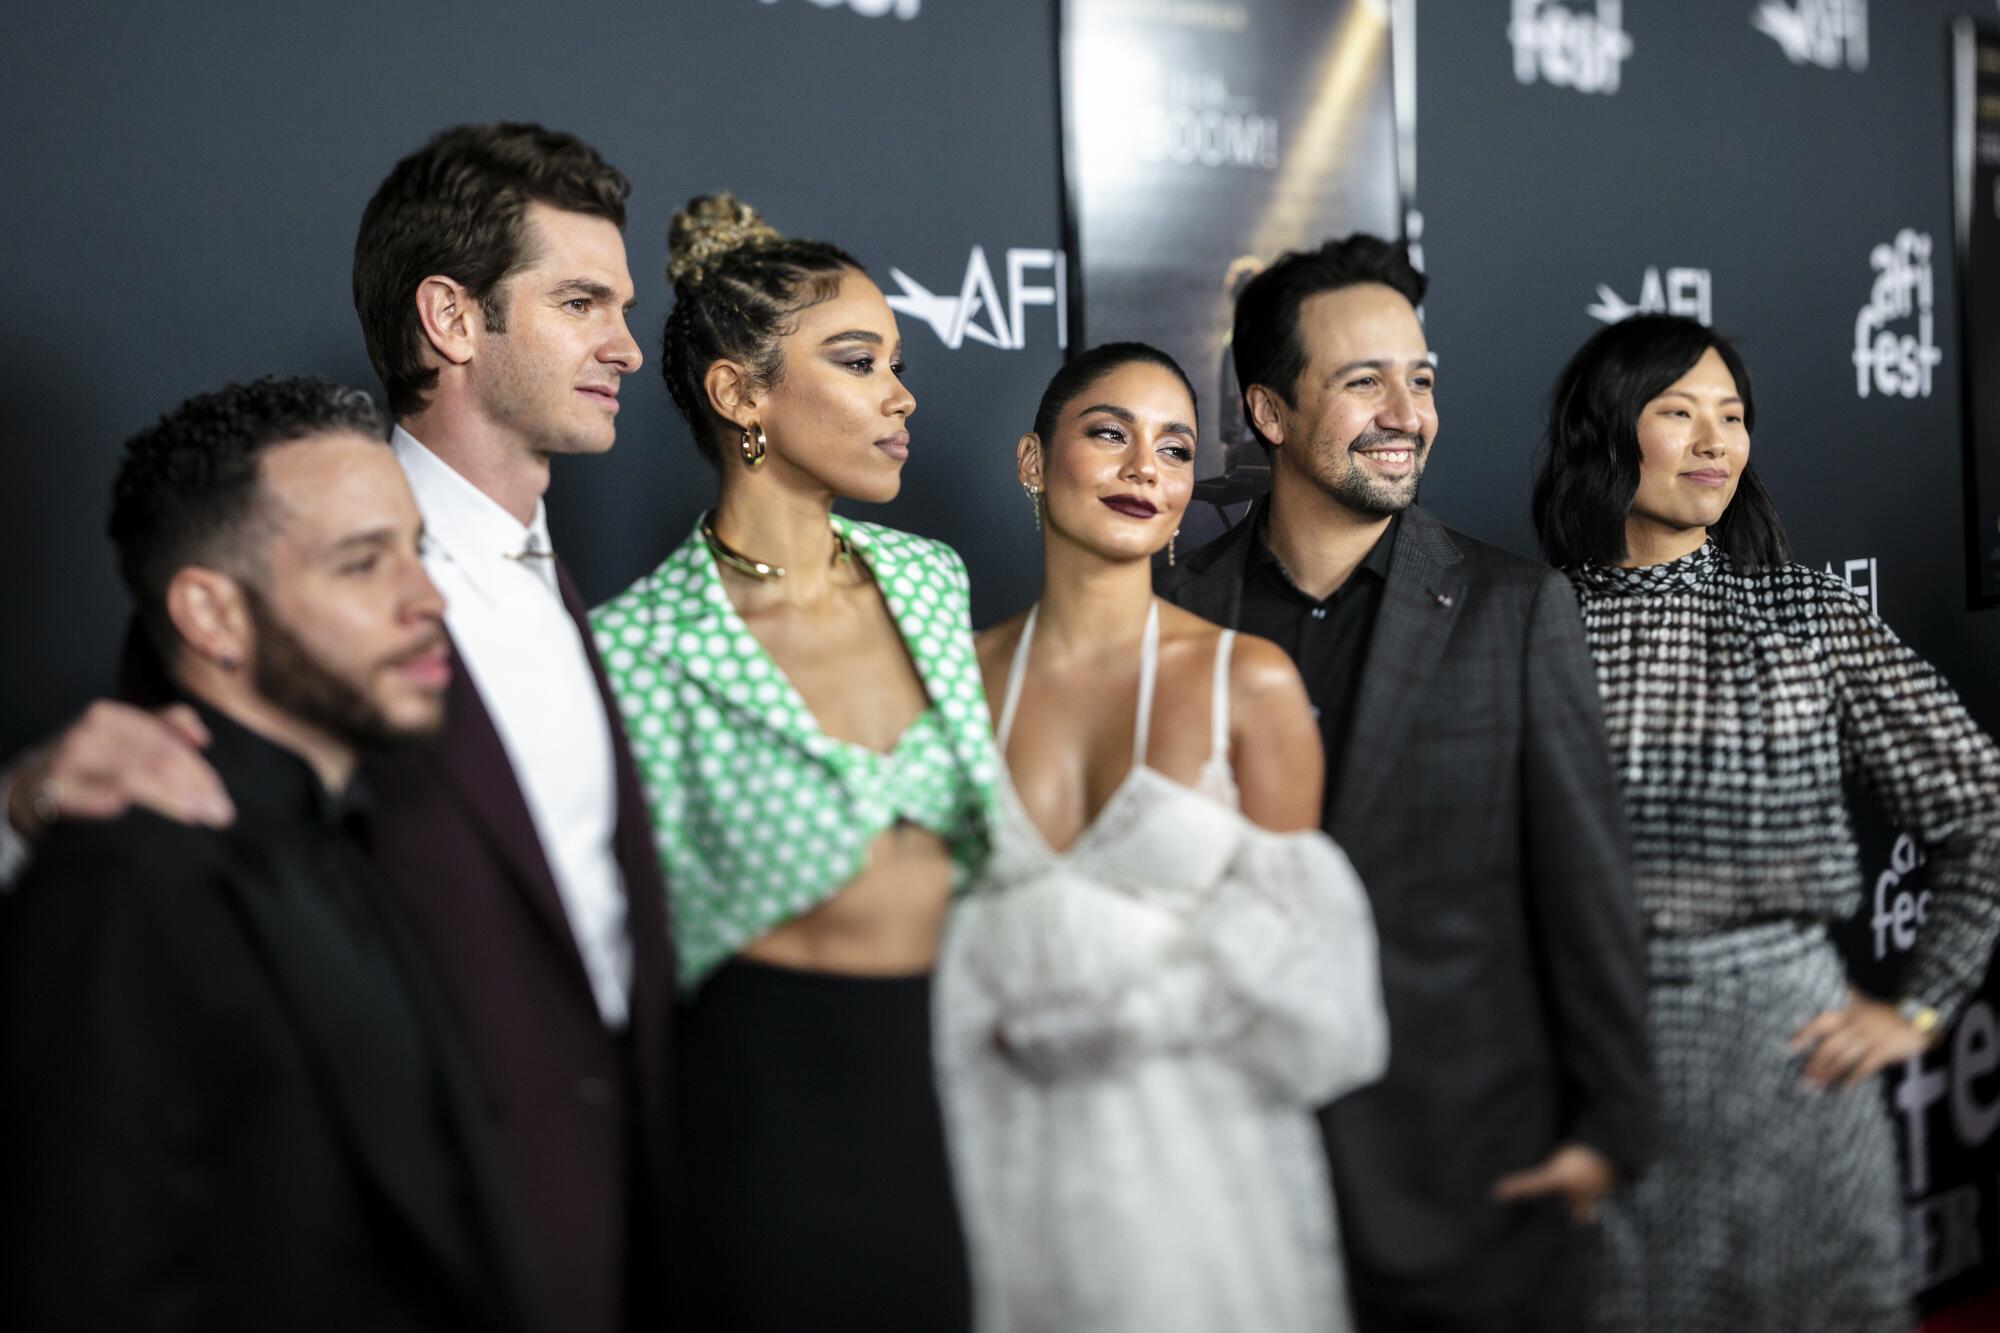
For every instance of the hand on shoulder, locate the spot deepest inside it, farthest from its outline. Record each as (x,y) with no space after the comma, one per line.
(112,758)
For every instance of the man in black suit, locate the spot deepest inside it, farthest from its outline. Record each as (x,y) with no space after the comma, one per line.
(228,1098)
(1468,779)
(492,289)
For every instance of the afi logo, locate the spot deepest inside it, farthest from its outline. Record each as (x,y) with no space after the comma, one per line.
(1578,47)
(1860,576)
(871,9)
(1684,291)
(1886,362)
(1817,32)
(977,311)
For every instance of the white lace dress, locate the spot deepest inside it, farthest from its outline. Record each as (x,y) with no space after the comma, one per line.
(1176,993)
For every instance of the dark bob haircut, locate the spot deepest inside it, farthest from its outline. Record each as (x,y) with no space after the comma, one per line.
(1590,468)
(1087,368)
(1265,338)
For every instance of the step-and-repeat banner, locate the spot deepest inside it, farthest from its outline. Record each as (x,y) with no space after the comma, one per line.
(190,177)
(1783,171)
(1202,140)
(1780,170)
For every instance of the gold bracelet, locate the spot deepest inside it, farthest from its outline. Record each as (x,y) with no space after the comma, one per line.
(1921,1017)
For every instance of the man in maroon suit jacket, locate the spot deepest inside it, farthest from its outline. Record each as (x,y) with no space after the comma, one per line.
(491,284)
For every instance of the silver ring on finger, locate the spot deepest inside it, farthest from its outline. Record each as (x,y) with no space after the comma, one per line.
(47,800)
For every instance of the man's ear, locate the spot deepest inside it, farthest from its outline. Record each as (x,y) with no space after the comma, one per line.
(1028,460)
(209,612)
(450,317)
(733,393)
(1264,411)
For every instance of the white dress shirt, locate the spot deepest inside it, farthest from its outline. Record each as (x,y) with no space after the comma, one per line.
(532,668)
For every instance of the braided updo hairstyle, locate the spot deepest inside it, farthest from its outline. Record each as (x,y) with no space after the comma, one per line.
(739,288)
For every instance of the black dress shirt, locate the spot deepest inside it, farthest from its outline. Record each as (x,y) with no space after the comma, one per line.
(310,841)
(228,1098)
(1327,638)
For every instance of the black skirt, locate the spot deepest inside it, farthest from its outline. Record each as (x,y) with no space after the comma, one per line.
(815,1192)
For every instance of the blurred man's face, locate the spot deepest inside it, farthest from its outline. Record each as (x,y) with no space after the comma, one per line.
(349,632)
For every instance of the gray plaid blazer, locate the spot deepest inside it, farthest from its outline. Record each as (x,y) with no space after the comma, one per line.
(1478,803)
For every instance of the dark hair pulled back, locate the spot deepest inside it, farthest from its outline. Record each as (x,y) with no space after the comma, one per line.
(1087,368)
(739,288)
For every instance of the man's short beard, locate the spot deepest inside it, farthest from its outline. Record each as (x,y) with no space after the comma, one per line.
(285,672)
(1364,494)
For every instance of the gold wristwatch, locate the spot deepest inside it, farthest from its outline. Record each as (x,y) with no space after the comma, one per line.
(1922,1017)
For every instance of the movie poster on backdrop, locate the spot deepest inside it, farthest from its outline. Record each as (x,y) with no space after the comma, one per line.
(1976,200)
(1202,139)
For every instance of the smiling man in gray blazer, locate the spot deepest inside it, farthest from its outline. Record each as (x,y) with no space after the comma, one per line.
(1469,781)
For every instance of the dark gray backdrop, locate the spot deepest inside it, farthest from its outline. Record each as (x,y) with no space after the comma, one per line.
(1767,147)
(185,182)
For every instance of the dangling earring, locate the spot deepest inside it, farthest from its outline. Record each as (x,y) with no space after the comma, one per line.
(1034,495)
(753,444)
(1170,547)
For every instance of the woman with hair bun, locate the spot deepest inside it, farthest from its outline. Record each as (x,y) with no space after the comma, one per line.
(1742,691)
(1167,966)
(804,702)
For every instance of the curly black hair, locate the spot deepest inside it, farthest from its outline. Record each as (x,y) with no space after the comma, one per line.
(186,491)
(1265,337)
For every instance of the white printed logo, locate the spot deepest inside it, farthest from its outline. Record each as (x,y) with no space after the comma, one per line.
(977,311)
(1683,291)
(1860,577)
(1898,911)
(1887,362)
(1817,32)
(1569,47)
(1181,116)
(871,9)
(1205,123)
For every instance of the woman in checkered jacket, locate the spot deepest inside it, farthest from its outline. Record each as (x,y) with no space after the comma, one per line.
(1740,691)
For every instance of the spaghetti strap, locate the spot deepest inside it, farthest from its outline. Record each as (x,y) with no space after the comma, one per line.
(1149,662)
(1016,669)
(1218,708)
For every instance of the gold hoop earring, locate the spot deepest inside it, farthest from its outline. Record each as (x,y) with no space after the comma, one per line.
(753,445)
(1034,495)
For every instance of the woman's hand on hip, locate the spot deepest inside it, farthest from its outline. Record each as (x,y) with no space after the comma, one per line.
(1849,1046)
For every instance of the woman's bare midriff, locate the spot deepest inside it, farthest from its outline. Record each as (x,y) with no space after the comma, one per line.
(883,922)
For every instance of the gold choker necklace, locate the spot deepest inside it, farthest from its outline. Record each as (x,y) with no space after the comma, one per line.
(756,569)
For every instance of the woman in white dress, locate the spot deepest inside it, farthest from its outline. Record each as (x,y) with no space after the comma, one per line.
(1167,966)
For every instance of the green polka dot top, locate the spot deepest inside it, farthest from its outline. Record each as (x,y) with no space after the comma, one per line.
(759,815)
